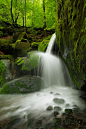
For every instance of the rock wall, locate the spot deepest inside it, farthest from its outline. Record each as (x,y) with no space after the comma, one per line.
(71,37)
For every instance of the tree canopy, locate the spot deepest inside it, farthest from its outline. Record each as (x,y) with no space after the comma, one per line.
(13,11)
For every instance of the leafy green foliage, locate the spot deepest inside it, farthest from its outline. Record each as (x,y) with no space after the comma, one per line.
(2,73)
(30,63)
(34,12)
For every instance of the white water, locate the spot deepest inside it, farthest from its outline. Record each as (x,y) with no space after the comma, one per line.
(56,79)
(52,68)
(50,46)
(37,102)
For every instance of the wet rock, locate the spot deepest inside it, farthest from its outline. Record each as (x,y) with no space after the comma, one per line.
(64,115)
(75,106)
(67,105)
(68,111)
(75,110)
(57,94)
(70,117)
(79,121)
(39,123)
(25,84)
(66,121)
(57,108)
(57,122)
(59,101)
(49,108)
(73,124)
(10,69)
(56,113)
(51,92)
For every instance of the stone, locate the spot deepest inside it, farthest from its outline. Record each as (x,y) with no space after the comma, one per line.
(67,105)
(51,92)
(49,108)
(25,84)
(57,94)
(57,108)
(59,101)
(39,123)
(56,113)
(68,111)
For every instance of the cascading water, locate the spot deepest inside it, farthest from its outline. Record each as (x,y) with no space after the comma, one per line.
(28,107)
(52,68)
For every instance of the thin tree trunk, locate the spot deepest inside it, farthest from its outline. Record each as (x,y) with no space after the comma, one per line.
(12,13)
(23,22)
(33,15)
(44,17)
(16,19)
(25,15)
(16,14)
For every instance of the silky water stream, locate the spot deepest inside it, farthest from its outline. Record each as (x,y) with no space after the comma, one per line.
(58,92)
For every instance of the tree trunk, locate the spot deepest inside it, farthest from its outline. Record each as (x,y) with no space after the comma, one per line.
(23,22)
(12,13)
(44,17)
(25,15)
(16,14)
(16,19)
(33,15)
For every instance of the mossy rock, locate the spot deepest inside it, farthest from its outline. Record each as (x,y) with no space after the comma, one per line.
(7,57)
(21,48)
(43,45)
(25,84)
(34,45)
(71,33)
(14,37)
(2,73)
(23,35)
(4,42)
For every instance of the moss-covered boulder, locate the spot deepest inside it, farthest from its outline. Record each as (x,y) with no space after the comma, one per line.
(43,45)
(22,44)
(25,84)
(71,36)
(4,43)
(2,73)
(10,69)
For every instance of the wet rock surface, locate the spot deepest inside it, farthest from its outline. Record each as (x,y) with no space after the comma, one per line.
(25,84)
(59,101)
(68,120)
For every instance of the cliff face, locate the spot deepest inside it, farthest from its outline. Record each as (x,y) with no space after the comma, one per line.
(71,37)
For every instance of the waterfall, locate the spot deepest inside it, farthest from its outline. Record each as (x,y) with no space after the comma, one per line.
(52,68)
(51,43)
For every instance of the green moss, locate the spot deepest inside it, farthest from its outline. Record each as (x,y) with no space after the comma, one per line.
(2,73)
(4,42)
(43,45)
(34,44)
(70,27)
(7,57)
(24,85)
